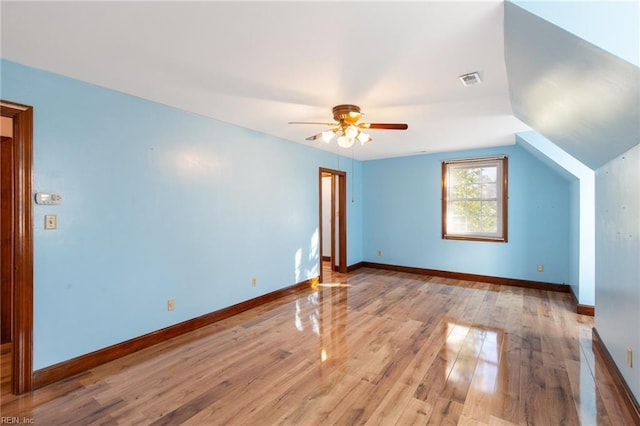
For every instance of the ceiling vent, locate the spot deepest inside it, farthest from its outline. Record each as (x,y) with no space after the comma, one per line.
(470,79)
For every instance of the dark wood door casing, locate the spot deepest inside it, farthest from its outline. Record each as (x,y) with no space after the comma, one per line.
(22,335)
(6,239)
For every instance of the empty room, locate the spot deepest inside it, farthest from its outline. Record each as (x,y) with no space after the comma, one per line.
(310,213)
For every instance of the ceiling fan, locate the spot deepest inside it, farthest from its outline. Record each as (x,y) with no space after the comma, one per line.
(347,127)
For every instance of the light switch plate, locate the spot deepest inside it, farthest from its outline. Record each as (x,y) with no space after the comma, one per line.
(50,221)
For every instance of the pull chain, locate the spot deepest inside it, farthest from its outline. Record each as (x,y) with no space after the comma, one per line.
(353,173)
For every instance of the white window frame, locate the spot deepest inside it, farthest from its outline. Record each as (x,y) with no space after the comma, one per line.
(501,164)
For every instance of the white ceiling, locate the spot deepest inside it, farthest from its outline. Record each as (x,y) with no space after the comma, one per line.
(262,64)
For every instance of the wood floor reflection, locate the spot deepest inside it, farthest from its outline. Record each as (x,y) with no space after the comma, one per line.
(374,347)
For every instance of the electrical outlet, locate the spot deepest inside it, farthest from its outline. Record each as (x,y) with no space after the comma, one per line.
(171,304)
(379,253)
(540,267)
(254,282)
(629,357)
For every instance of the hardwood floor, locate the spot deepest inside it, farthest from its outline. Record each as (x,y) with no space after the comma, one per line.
(369,347)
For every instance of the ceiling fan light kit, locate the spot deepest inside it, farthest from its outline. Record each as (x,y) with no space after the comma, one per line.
(347,127)
(327,136)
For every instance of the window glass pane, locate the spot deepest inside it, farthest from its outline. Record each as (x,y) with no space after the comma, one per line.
(489,213)
(489,174)
(466,216)
(473,216)
(458,217)
(489,190)
(463,192)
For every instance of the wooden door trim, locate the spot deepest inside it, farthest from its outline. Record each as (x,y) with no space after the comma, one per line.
(333,221)
(320,220)
(22,369)
(342,216)
(342,226)
(6,228)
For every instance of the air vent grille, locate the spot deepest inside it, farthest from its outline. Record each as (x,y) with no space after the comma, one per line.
(470,79)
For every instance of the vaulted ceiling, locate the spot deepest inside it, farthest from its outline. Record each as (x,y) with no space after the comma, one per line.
(262,64)
(582,98)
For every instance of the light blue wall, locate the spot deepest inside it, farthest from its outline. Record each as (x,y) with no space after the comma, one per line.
(355,203)
(618,261)
(582,210)
(158,204)
(612,25)
(403,218)
(575,240)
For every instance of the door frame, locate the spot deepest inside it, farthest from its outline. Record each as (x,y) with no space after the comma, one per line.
(22,338)
(341,199)
(6,217)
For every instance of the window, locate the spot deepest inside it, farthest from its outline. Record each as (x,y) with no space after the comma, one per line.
(474,199)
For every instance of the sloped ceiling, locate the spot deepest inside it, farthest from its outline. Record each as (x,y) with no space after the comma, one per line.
(584,99)
(262,64)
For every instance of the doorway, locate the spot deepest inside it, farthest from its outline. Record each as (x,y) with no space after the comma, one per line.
(17,149)
(333,220)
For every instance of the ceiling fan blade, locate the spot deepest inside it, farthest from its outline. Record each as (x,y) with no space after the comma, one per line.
(314,137)
(312,122)
(384,126)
